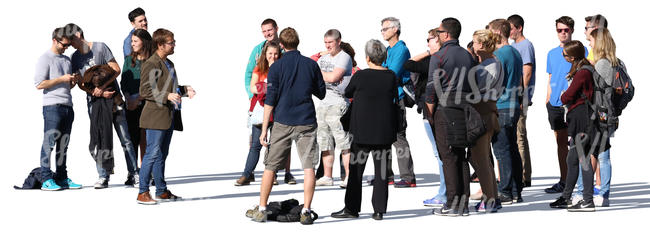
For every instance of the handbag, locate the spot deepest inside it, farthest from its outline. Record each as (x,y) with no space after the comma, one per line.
(255,112)
(464,125)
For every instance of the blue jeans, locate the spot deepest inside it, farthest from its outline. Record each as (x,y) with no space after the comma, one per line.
(605,175)
(57,126)
(442,190)
(154,159)
(253,152)
(507,153)
(122,129)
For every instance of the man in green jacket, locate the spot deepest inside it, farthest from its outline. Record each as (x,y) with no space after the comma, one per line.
(270,33)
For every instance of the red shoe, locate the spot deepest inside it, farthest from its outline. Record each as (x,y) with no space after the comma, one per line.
(405,184)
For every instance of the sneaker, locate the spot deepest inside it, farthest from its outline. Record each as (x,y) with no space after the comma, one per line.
(433,202)
(560,203)
(527,184)
(465,212)
(130,180)
(372,180)
(50,185)
(600,201)
(102,183)
(480,207)
(518,199)
(145,199)
(583,206)
(474,178)
(243,180)
(505,200)
(556,188)
(445,211)
(275,180)
(405,184)
(250,212)
(575,199)
(168,196)
(308,218)
(344,183)
(136,179)
(289,179)
(68,184)
(260,216)
(325,181)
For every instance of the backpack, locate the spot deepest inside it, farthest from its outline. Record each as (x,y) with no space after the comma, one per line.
(33,180)
(623,83)
(464,125)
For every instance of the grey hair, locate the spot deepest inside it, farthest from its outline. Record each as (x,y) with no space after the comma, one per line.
(333,33)
(394,22)
(375,51)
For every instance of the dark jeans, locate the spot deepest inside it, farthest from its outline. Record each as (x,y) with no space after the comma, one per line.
(358,159)
(135,132)
(403,152)
(253,151)
(455,164)
(154,159)
(507,153)
(57,126)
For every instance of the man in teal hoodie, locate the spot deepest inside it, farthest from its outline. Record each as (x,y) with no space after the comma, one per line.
(270,33)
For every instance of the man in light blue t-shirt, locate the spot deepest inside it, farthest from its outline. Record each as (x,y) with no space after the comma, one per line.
(527,52)
(557,68)
(54,76)
(138,21)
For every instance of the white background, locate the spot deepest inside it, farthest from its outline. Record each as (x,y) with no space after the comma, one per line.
(214,40)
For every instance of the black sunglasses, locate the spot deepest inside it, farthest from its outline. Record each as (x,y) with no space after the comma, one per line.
(64,45)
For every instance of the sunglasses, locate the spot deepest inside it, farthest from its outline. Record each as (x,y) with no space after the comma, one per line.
(560,30)
(587,28)
(429,39)
(385,29)
(441,31)
(564,54)
(64,45)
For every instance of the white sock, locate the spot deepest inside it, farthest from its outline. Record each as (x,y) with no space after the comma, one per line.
(262,208)
(305,210)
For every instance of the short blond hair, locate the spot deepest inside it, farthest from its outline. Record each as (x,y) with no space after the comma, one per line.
(488,39)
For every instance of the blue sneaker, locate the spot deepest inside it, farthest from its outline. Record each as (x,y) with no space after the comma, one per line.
(433,202)
(50,185)
(596,190)
(68,184)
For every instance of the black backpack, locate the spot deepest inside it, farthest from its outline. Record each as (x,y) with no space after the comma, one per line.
(33,180)
(623,89)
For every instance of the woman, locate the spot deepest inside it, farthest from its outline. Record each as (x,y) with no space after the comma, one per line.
(419,64)
(271,52)
(141,49)
(486,90)
(373,125)
(580,92)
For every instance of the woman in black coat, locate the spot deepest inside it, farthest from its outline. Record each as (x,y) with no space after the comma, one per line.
(373,126)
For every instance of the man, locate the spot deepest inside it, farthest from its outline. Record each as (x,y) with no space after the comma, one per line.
(138,21)
(527,52)
(161,115)
(291,82)
(398,54)
(557,68)
(270,33)
(54,76)
(593,23)
(504,143)
(89,54)
(336,67)
(442,85)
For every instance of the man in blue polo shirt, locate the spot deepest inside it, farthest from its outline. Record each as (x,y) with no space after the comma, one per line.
(292,81)
(397,54)
(557,68)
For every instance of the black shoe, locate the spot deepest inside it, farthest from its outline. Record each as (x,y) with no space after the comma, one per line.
(556,188)
(308,218)
(505,200)
(445,211)
(377,216)
(344,213)
(518,199)
(289,179)
(527,184)
(560,203)
(130,181)
(583,206)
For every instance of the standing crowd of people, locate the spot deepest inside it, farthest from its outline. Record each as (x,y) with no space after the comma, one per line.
(474,103)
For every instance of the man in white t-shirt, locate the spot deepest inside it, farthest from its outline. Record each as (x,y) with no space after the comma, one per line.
(336,67)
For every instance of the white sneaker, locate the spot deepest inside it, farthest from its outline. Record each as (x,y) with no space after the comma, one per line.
(344,183)
(101,183)
(136,179)
(600,201)
(325,181)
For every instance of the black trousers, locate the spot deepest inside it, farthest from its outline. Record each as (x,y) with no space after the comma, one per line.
(358,158)
(454,164)
(579,154)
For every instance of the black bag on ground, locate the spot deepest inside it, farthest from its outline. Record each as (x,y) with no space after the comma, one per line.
(33,180)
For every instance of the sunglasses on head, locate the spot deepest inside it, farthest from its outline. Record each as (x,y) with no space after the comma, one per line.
(560,30)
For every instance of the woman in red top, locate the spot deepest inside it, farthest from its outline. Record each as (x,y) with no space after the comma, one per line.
(270,53)
(575,98)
